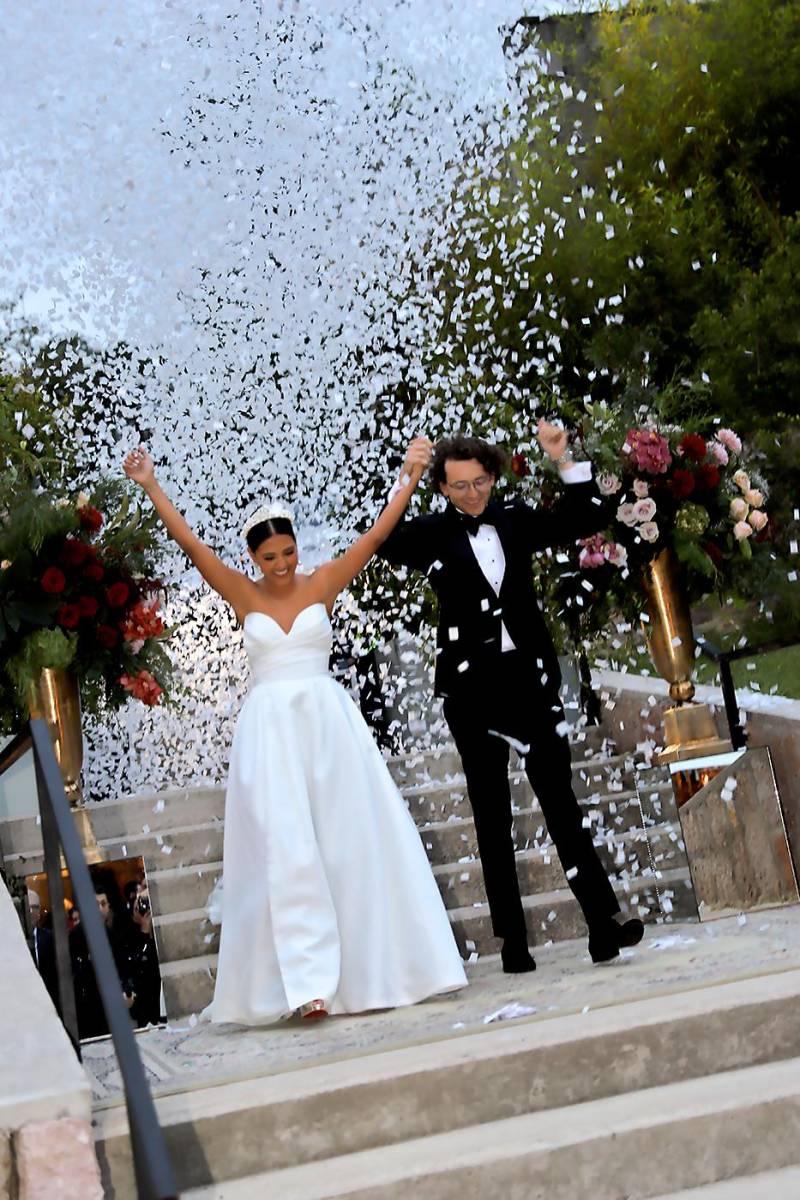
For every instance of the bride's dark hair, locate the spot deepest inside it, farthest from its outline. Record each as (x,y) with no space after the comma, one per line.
(275,526)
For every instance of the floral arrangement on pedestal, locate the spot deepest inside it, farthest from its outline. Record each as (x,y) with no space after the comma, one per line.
(664,487)
(79,592)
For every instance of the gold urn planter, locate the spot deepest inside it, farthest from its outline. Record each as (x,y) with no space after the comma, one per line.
(56,698)
(689,728)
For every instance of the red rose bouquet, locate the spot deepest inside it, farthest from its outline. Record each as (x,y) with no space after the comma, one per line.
(79,591)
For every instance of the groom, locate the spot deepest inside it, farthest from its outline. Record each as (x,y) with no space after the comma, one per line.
(497,670)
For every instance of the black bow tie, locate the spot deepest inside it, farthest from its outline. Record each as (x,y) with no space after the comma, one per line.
(473,524)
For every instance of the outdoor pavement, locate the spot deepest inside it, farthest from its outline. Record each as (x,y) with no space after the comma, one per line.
(672,958)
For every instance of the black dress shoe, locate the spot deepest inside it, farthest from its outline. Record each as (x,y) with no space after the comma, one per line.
(517,958)
(606,941)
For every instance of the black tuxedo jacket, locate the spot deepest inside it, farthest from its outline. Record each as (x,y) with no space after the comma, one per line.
(470,613)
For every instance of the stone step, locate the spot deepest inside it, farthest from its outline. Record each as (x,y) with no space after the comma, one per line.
(188,984)
(551,917)
(185,934)
(395,1102)
(120,823)
(618,806)
(175,889)
(556,917)
(439,797)
(539,870)
(179,807)
(606,1149)
(767,1185)
(433,766)
(188,886)
(163,841)
(452,838)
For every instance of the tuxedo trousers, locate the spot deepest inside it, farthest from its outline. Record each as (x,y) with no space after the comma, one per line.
(511,705)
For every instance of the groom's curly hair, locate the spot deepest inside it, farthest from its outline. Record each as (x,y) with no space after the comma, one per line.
(461,448)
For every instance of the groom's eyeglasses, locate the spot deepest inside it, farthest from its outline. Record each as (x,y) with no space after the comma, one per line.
(480,484)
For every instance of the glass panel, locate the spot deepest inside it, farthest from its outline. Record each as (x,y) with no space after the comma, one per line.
(123,897)
(736,842)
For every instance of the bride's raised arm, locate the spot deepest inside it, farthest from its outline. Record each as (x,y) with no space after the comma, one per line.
(232,585)
(332,577)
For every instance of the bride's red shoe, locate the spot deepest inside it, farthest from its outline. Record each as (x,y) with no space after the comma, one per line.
(313,1010)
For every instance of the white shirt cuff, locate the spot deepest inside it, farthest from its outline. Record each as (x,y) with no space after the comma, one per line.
(576,472)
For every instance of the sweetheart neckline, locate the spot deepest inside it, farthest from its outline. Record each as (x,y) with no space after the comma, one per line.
(256,612)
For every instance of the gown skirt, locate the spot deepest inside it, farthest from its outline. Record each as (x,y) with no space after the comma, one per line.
(328,893)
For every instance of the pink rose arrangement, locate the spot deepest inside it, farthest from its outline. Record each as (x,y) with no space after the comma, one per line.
(662,487)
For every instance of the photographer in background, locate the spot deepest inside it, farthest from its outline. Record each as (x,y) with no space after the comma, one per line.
(143,956)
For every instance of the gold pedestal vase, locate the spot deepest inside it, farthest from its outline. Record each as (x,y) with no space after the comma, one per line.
(689,728)
(56,699)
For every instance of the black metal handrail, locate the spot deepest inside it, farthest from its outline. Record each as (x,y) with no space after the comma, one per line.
(151,1162)
(723,659)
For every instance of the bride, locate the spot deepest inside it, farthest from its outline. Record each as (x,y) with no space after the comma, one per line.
(330,905)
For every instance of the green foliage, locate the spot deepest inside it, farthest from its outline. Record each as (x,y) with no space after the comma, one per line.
(46,648)
(78,589)
(636,250)
(30,437)
(642,234)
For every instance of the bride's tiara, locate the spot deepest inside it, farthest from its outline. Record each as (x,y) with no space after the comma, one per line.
(267,512)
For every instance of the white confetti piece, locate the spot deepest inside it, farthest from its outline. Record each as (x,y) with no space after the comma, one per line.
(510,1012)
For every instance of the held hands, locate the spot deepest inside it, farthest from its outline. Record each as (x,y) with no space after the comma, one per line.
(138,466)
(417,460)
(552,439)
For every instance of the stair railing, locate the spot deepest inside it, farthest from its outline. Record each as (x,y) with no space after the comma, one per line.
(151,1161)
(723,659)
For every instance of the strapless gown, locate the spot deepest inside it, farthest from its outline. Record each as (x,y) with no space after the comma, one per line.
(328,892)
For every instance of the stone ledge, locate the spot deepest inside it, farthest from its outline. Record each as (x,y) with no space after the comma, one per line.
(40,1076)
(55,1160)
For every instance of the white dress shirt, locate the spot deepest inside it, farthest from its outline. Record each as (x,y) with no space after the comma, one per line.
(488,549)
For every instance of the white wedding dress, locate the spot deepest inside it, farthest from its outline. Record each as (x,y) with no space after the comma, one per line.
(328,893)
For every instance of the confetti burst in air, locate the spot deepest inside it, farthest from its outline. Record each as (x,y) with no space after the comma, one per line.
(237,212)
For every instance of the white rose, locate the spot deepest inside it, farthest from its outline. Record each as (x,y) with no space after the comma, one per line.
(742,530)
(608,484)
(626,514)
(738,509)
(616,554)
(754,497)
(757,519)
(644,510)
(649,531)
(742,480)
(641,488)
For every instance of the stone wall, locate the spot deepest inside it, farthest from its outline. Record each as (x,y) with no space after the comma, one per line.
(46,1142)
(632,710)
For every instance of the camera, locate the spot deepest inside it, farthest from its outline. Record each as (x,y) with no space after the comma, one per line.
(143,906)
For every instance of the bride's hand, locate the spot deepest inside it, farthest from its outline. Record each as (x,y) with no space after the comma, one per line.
(418,457)
(138,466)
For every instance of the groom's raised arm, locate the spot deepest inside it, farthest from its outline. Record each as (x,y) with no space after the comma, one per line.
(408,545)
(579,511)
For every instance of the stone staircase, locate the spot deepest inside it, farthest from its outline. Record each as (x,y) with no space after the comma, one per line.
(626,1102)
(686,1087)
(179,834)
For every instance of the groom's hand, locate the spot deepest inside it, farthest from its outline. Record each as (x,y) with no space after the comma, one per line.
(553,439)
(418,457)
